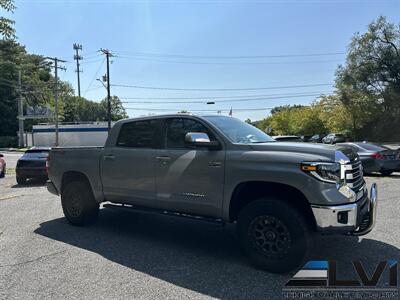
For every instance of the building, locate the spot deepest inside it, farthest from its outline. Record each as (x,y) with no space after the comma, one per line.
(82,134)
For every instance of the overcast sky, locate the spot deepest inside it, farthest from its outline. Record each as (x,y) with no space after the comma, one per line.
(277,52)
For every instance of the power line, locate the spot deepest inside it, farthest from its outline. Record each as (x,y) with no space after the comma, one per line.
(228,63)
(95,75)
(226,100)
(143,54)
(220,89)
(222,97)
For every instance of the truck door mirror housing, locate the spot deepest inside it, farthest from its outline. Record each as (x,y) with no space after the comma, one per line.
(200,139)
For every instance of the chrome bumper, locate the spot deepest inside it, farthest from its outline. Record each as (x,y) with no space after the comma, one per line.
(356,218)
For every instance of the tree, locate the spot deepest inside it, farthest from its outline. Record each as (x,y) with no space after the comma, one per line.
(368,85)
(7,25)
(118,112)
(36,83)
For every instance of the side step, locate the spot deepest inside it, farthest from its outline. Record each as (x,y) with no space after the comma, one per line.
(162,212)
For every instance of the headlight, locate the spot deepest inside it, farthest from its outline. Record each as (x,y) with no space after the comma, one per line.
(327,172)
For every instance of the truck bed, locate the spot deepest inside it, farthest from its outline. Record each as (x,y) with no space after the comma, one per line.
(76,160)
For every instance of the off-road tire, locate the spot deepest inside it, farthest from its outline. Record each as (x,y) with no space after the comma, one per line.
(20,180)
(78,203)
(280,220)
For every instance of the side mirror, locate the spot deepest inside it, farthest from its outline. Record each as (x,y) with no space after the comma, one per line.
(201,139)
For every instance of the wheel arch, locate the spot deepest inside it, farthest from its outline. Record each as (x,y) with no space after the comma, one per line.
(70,176)
(247,192)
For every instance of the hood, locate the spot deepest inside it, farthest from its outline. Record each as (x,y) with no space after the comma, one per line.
(320,150)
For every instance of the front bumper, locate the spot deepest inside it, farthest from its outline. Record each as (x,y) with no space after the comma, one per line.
(355,218)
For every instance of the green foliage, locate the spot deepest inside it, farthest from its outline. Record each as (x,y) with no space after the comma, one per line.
(366,103)
(117,110)
(36,83)
(8,141)
(369,84)
(7,25)
(38,89)
(299,120)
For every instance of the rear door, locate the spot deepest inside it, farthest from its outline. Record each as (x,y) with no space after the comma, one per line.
(189,179)
(127,168)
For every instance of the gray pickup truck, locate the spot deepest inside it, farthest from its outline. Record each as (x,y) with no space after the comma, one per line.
(220,168)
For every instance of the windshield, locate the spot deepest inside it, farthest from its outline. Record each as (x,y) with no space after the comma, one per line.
(239,132)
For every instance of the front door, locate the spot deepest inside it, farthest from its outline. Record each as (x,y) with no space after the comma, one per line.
(189,179)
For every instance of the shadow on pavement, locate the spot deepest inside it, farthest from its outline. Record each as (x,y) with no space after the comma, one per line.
(377,175)
(199,256)
(30,183)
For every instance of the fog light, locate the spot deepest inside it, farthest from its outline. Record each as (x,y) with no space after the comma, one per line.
(343,217)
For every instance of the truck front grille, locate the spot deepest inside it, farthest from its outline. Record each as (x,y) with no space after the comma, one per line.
(354,175)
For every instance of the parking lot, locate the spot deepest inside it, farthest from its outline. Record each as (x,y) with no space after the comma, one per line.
(139,255)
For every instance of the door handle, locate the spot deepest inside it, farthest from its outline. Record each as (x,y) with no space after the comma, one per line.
(109,157)
(215,164)
(163,159)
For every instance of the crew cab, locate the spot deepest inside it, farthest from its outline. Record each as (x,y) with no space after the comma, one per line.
(219,168)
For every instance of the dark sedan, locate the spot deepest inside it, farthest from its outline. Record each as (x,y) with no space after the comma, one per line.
(377,158)
(32,165)
(317,138)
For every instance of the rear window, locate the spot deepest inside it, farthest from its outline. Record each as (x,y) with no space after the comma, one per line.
(138,134)
(36,153)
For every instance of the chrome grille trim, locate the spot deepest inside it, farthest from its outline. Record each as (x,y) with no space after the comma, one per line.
(354,175)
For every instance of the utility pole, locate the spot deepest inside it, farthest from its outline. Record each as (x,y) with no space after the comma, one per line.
(20,112)
(108,54)
(56,67)
(77,57)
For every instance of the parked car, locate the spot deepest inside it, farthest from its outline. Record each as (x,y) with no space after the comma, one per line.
(317,138)
(377,158)
(32,165)
(220,169)
(2,166)
(287,138)
(334,138)
(306,138)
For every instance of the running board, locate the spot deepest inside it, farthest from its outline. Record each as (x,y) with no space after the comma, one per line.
(162,212)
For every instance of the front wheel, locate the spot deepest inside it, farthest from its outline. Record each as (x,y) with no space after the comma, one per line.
(274,235)
(78,203)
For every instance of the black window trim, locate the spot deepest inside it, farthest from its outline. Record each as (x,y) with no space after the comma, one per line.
(163,144)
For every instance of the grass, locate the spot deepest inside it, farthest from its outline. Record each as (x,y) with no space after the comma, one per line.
(10,171)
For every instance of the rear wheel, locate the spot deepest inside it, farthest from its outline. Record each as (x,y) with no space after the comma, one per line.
(78,203)
(386,173)
(274,235)
(21,180)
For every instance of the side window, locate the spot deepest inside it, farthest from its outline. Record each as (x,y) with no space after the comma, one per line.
(177,128)
(138,134)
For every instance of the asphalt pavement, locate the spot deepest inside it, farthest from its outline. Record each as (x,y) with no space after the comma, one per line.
(145,256)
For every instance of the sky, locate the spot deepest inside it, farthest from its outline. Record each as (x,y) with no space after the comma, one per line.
(273,52)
